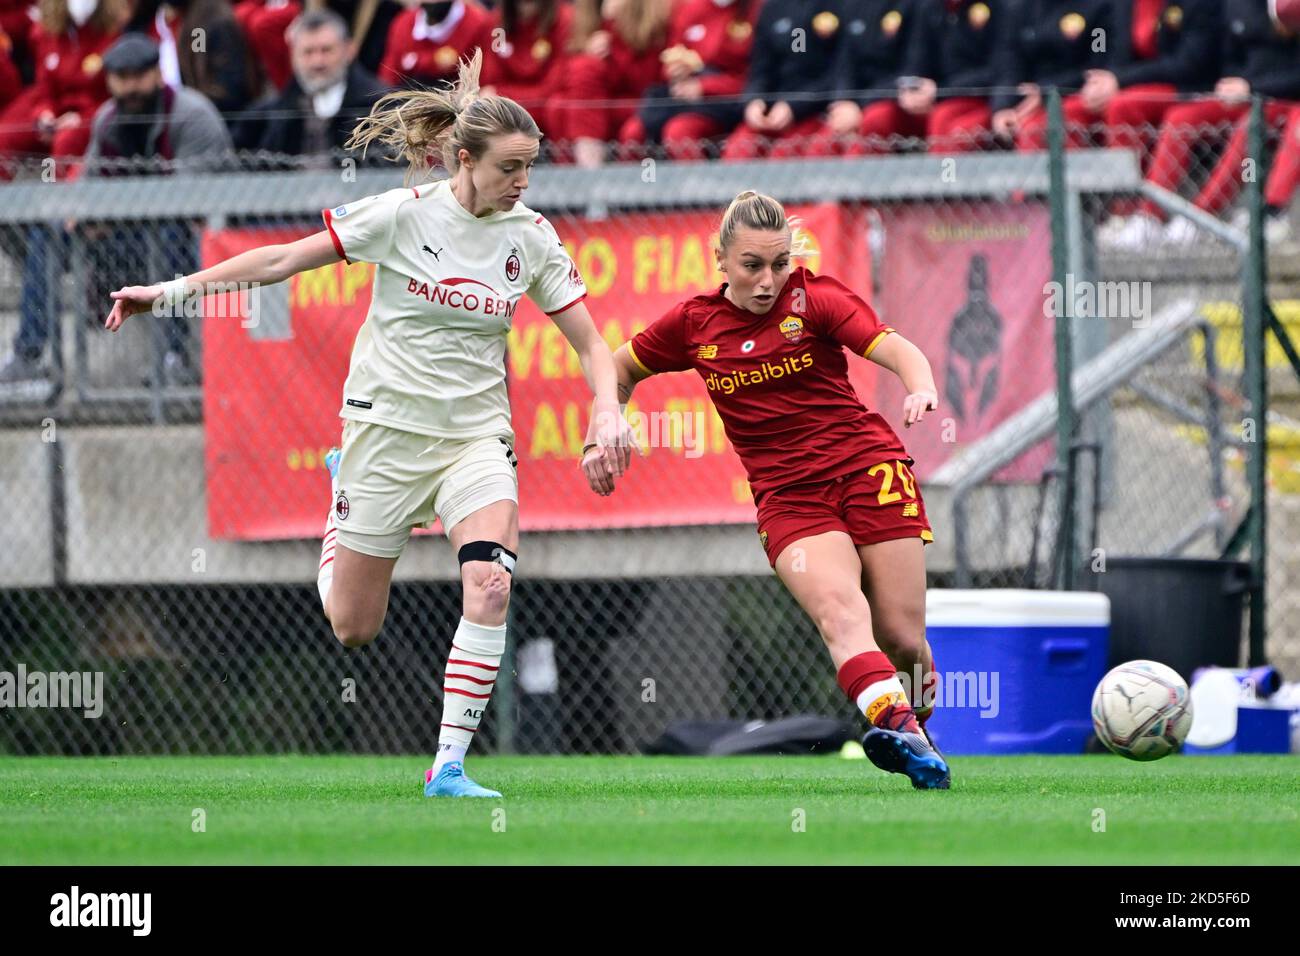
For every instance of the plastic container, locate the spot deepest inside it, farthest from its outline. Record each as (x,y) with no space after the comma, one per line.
(1017,668)
(1261,729)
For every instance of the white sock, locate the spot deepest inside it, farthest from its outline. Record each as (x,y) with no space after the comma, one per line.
(325,576)
(880,695)
(467,684)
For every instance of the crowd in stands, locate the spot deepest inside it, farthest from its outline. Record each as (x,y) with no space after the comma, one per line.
(688,79)
(96,84)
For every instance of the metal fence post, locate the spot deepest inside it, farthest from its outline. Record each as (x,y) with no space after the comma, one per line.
(1067,559)
(1254,291)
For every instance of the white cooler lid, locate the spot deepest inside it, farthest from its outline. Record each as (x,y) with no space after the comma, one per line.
(1012,607)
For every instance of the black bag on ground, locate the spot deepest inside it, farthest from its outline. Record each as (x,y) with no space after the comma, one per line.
(802,734)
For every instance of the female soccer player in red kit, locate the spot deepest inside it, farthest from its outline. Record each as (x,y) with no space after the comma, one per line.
(839,511)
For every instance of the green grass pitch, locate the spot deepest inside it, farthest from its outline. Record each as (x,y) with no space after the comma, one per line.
(347,809)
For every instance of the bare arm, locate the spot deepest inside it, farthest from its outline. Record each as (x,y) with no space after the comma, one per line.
(909,363)
(265,265)
(597,365)
(628,373)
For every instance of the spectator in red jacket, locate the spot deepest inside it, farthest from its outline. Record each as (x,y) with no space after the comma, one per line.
(525,57)
(52,118)
(705,67)
(264,24)
(614,59)
(428,39)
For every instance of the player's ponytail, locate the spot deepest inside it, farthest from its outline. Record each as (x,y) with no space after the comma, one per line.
(754,210)
(420,124)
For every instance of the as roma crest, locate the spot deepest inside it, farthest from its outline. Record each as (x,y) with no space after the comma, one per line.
(792,327)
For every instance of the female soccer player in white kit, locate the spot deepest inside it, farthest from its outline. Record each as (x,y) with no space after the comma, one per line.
(427,418)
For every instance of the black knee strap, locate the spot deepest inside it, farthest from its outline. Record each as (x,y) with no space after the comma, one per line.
(488,551)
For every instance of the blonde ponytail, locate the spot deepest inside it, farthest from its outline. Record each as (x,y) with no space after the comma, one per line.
(416,124)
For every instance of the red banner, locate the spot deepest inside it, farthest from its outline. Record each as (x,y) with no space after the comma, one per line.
(274,376)
(966,284)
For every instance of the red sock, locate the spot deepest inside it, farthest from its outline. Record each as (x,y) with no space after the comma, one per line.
(871,682)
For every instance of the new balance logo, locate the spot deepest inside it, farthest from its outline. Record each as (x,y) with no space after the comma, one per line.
(910,510)
(708,351)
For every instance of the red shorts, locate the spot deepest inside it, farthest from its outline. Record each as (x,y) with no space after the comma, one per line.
(879,503)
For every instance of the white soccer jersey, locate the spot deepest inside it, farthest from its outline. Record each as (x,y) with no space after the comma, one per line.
(430,357)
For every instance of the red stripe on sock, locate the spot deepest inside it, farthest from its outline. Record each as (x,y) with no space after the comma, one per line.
(326,561)
(486,667)
(476,680)
(463,693)
(459,727)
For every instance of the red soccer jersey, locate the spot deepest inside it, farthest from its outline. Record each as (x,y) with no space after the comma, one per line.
(722,36)
(70,70)
(264,24)
(528,59)
(780,381)
(408,61)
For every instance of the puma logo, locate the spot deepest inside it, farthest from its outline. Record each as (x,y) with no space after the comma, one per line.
(432,253)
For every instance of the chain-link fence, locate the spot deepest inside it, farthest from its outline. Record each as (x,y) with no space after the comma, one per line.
(157,537)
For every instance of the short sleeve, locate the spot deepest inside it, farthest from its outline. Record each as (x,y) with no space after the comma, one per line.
(661,346)
(363,230)
(557,283)
(843,316)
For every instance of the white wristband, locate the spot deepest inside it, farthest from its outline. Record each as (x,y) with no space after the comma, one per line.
(173,291)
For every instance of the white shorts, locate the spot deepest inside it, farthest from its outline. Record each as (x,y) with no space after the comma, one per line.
(391,481)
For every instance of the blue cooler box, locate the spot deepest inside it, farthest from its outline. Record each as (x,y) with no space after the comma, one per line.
(1261,729)
(1018,668)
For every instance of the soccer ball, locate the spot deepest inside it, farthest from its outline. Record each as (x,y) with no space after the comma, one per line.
(1142,710)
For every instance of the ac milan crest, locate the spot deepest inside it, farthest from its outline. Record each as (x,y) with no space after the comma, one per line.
(341,507)
(512,267)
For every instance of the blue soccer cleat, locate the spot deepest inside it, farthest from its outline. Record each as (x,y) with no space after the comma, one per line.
(899,751)
(452,782)
(332,459)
